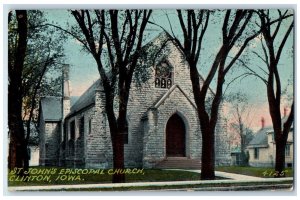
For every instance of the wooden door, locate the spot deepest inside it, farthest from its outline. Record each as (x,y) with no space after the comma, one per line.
(175,136)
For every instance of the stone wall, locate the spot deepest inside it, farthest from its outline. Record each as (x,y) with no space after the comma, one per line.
(155,137)
(98,149)
(75,148)
(222,143)
(149,110)
(49,144)
(147,124)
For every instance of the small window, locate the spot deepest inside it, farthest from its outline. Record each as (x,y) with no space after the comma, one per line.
(81,127)
(288,150)
(90,126)
(71,148)
(163,75)
(65,133)
(72,139)
(72,130)
(256,153)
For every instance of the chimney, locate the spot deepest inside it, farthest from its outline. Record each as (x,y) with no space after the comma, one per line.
(262,122)
(66,91)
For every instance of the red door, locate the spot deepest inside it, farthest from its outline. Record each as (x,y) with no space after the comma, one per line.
(175,136)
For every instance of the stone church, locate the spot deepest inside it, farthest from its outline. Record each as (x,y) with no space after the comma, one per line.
(163,127)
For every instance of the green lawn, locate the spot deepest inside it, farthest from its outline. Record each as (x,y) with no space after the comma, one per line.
(148,175)
(254,171)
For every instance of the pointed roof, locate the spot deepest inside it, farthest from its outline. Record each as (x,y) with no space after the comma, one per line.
(51,108)
(261,137)
(88,97)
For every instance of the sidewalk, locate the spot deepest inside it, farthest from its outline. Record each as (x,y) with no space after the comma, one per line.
(234,178)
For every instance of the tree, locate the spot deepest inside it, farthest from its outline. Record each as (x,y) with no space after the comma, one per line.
(236,35)
(241,121)
(44,56)
(43,53)
(17,146)
(116,35)
(272,46)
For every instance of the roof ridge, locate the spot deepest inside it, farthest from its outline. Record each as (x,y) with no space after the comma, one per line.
(86,98)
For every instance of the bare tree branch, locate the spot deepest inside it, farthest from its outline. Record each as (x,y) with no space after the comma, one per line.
(280,48)
(202,35)
(260,57)
(252,71)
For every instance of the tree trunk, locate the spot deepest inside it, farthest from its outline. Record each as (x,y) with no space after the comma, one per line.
(208,137)
(16,130)
(280,158)
(15,123)
(208,154)
(118,161)
(116,138)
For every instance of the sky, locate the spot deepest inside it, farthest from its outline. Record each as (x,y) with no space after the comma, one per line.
(84,69)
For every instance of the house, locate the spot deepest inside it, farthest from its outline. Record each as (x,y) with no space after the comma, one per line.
(162,121)
(262,148)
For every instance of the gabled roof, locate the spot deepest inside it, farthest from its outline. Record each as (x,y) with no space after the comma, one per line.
(261,137)
(51,108)
(73,99)
(87,98)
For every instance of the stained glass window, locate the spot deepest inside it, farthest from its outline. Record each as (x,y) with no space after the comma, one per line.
(163,75)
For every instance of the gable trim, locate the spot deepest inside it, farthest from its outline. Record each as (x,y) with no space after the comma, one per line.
(165,96)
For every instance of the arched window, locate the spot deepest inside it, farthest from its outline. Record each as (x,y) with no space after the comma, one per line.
(81,127)
(163,75)
(72,139)
(90,126)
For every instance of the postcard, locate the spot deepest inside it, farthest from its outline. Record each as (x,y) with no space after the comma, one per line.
(151,99)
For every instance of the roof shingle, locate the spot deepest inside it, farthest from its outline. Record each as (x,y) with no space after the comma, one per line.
(87,98)
(261,137)
(51,108)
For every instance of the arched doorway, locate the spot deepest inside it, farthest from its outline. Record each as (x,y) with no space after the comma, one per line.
(175,136)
